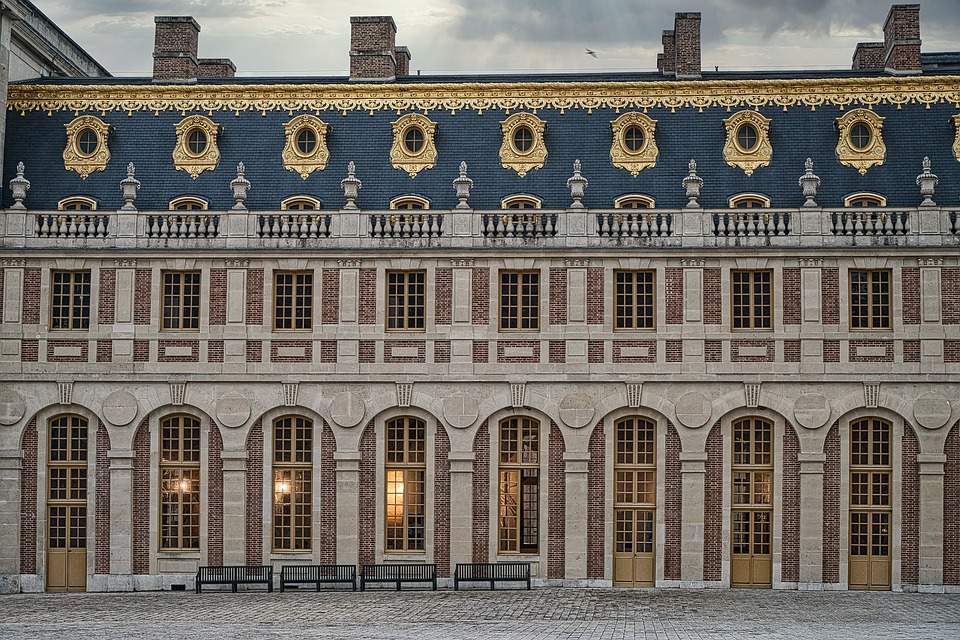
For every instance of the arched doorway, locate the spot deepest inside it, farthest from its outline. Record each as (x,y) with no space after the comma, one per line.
(634,503)
(751,517)
(67,504)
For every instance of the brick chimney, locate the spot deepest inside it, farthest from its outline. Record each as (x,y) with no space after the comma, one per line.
(901,39)
(681,48)
(175,48)
(216,68)
(868,55)
(374,54)
(667,62)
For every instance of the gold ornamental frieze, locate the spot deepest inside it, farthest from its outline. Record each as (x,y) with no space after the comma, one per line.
(305,149)
(811,93)
(748,141)
(413,148)
(87,147)
(634,146)
(860,140)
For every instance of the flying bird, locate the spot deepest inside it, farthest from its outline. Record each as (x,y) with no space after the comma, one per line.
(591,52)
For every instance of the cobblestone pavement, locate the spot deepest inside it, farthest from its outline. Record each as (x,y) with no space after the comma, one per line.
(467,615)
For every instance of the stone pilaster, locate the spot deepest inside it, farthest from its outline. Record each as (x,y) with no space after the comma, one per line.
(234,506)
(575,465)
(811,520)
(461,506)
(11,462)
(121,512)
(931,521)
(693,471)
(348,506)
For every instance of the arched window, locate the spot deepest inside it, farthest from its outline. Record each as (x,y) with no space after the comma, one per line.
(520,202)
(871,471)
(751,520)
(67,504)
(410,202)
(635,503)
(179,483)
(634,201)
(292,484)
(77,203)
(300,203)
(749,200)
(865,200)
(519,479)
(188,203)
(405,474)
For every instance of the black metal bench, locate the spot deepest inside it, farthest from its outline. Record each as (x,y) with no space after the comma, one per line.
(398,574)
(491,572)
(318,574)
(262,574)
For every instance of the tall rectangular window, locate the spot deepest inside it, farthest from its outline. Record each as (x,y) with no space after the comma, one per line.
(292,484)
(406,300)
(406,469)
(519,300)
(70,301)
(293,300)
(870,299)
(519,478)
(181,300)
(635,300)
(179,483)
(752,296)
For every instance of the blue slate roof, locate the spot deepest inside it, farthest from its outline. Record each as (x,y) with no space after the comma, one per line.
(147,140)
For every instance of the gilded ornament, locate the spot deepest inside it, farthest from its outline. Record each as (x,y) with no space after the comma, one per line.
(860,144)
(523,148)
(748,141)
(196,150)
(87,149)
(413,148)
(305,149)
(629,150)
(956,140)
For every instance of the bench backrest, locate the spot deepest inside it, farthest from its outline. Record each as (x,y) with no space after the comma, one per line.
(493,571)
(311,572)
(235,573)
(399,571)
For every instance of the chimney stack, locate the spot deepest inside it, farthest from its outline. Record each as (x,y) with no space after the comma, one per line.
(374,54)
(901,39)
(868,55)
(681,48)
(175,53)
(669,57)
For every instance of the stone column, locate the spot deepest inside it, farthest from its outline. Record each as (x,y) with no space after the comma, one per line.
(576,464)
(693,470)
(234,507)
(461,506)
(348,506)
(811,520)
(11,461)
(121,517)
(931,521)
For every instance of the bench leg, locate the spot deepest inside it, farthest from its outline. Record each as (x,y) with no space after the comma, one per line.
(363,585)
(234,587)
(398,585)
(493,585)
(198,586)
(434,584)
(270,587)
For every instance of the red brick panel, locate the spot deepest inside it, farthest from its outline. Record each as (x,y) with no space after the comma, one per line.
(367,299)
(712,351)
(443,295)
(306,345)
(951,351)
(141,499)
(31,296)
(481,494)
(831,506)
(712,302)
(791,296)
(328,351)
(366,518)
(769,345)
(791,351)
(218,297)
(481,296)
(911,351)
(620,345)
(254,351)
(255,297)
(101,562)
(595,352)
(673,295)
(531,359)
(950,295)
(713,506)
(830,295)
(595,301)
(215,498)
(83,345)
(106,309)
(674,350)
(390,345)
(556,507)
(673,505)
(596,504)
(143,296)
(104,351)
(441,351)
(215,351)
(441,504)
(951,508)
(328,497)
(330,313)
(558,295)
(887,346)
(254,487)
(910,289)
(141,351)
(28,500)
(194,350)
(368,351)
(481,352)
(30,350)
(831,351)
(910,508)
(790,554)
(558,351)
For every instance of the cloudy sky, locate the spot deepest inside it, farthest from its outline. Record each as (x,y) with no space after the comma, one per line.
(311,37)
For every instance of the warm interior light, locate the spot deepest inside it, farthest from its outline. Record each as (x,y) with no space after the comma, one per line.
(185,485)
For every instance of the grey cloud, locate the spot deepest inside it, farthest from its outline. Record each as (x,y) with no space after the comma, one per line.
(197,8)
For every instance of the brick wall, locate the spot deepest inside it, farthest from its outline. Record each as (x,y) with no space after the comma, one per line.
(328,351)
(910,508)
(831,351)
(951,508)
(330,312)
(83,345)
(619,346)
(390,345)
(143,296)
(791,296)
(673,505)
(950,295)
(481,296)
(29,350)
(686,30)
(441,504)
(791,351)
(887,345)
(674,350)
(194,350)
(557,351)
(367,516)
(443,295)
(31,296)
(254,314)
(596,504)
(831,506)
(28,500)
(367,351)
(595,352)
(673,295)
(713,506)
(558,296)
(712,300)
(328,497)
(481,494)
(951,351)
(306,345)
(101,562)
(481,352)
(215,497)
(104,351)
(141,350)
(254,488)
(910,290)
(215,351)
(106,309)
(367,299)
(556,507)
(830,295)
(901,38)
(441,351)
(141,499)
(595,301)
(911,351)
(868,55)
(254,351)
(790,506)
(218,297)
(531,359)
(712,351)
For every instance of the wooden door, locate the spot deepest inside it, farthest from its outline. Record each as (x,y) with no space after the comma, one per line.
(869,564)
(751,560)
(634,560)
(67,505)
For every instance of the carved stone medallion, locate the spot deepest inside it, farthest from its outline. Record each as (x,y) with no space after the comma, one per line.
(577,410)
(931,411)
(233,409)
(12,407)
(347,409)
(120,408)
(460,410)
(693,410)
(811,410)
